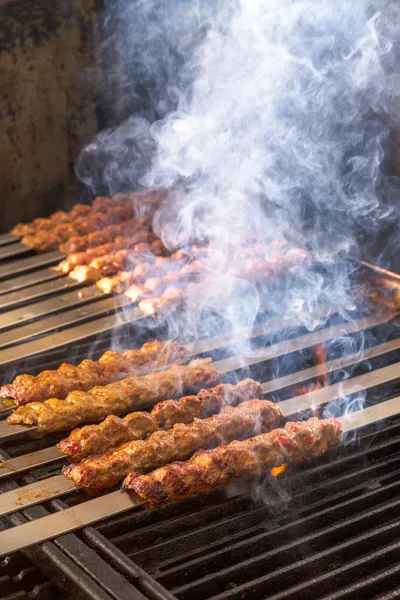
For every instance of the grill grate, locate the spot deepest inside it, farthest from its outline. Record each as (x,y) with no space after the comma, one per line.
(338,535)
(327,529)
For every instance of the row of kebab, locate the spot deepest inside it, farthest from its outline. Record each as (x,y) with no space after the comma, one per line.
(127,417)
(112,245)
(131,424)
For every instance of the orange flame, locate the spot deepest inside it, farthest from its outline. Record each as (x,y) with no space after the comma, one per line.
(277,470)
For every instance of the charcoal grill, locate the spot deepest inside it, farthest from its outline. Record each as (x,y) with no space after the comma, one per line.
(327,529)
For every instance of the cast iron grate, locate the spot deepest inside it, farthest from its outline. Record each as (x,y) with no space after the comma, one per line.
(329,529)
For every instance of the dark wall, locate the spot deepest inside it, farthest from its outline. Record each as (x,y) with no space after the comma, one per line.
(47,102)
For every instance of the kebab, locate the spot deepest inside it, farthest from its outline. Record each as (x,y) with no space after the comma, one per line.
(79,210)
(75,259)
(82,243)
(162,447)
(143,200)
(110,367)
(112,263)
(100,204)
(257,271)
(192,272)
(125,279)
(113,431)
(208,469)
(49,240)
(131,393)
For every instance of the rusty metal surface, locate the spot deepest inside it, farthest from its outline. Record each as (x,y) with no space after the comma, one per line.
(47,108)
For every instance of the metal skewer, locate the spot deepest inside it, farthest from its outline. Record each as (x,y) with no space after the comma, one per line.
(115,503)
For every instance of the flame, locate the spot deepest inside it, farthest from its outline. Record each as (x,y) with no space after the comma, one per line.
(277,470)
(321,380)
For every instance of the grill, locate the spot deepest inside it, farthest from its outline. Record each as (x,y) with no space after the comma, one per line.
(326,529)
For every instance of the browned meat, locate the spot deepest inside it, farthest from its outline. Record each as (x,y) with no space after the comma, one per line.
(111,366)
(97,439)
(114,262)
(125,279)
(257,270)
(81,243)
(162,447)
(152,286)
(85,258)
(210,468)
(44,240)
(143,202)
(131,393)
(79,210)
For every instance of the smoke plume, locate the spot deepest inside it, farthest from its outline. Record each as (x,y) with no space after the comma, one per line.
(268,118)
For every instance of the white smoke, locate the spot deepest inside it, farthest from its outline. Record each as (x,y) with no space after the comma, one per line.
(274,116)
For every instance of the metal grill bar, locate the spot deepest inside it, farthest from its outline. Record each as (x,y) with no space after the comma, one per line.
(8,238)
(52,286)
(56,304)
(305,341)
(25,283)
(29,264)
(12,250)
(341,389)
(115,503)
(77,333)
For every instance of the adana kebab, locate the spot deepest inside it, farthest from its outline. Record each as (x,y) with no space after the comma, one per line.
(142,200)
(144,203)
(131,393)
(113,431)
(100,204)
(79,210)
(208,469)
(192,272)
(257,271)
(110,367)
(42,241)
(117,261)
(123,280)
(85,258)
(162,447)
(81,243)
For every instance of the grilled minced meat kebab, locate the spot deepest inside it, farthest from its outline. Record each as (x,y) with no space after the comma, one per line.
(101,472)
(100,204)
(110,367)
(113,431)
(114,262)
(257,270)
(238,460)
(116,398)
(81,243)
(142,201)
(44,240)
(146,270)
(76,259)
